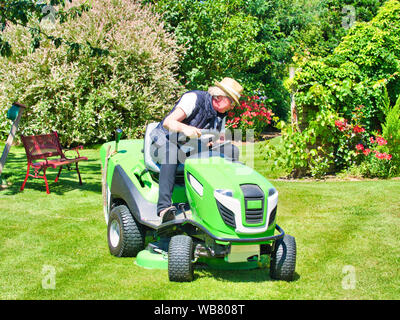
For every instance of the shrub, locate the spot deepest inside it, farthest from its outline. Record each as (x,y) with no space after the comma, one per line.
(310,151)
(83,96)
(391,128)
(380,154)
(332,144)
(340,105)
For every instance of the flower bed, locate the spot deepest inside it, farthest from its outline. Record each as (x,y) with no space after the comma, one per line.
(250,114)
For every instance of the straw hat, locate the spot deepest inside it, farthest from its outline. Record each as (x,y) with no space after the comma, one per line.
(231,88)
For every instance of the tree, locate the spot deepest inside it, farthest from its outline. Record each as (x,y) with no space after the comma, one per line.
(254,41)
(248,40)
(347,78)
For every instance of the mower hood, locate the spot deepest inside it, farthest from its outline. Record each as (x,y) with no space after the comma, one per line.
(230,198)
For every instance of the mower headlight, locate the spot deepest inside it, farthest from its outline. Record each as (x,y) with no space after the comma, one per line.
(197,186)
(271,192)
(225,192)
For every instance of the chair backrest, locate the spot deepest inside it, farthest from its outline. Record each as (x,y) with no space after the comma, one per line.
(42,146)
(148,160)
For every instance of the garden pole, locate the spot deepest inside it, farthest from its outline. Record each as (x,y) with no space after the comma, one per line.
(293,114)
(104,183)
(14,113)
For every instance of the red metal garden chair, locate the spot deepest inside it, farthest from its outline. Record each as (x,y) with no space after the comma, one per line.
(45,147)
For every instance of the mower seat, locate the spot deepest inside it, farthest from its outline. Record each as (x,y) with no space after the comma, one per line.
(150,163)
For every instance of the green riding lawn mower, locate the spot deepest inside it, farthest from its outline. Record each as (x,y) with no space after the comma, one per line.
(226,216)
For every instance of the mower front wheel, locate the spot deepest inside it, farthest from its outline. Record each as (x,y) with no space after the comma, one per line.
(283,259)
(180,259)
(125,235)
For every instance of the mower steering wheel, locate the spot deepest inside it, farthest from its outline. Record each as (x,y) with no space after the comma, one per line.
(209,135)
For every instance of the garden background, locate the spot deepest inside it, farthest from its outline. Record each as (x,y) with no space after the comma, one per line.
(323,75)
(86,68)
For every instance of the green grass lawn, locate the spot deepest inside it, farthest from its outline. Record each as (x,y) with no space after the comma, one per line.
(345,230)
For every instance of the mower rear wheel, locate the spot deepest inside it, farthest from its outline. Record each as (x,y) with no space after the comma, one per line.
(125,235)
(180,257)
(283,259)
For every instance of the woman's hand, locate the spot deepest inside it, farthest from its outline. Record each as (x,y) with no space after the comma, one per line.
(191,132)
(174,123)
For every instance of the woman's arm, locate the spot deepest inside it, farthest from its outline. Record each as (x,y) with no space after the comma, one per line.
(173,123)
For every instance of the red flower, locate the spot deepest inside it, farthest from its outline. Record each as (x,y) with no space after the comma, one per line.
(360,147)
(371,139)
(341,125)
(367,151)
(338,123)
(358,129)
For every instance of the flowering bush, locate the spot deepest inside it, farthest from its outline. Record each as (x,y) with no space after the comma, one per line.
(85,97)
(250,114)
(373,161)
(367,152)
(379,141)
(331,144)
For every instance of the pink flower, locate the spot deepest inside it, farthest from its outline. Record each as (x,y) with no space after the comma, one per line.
(379,155)
(381,141)
(383,155)
(247,113)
